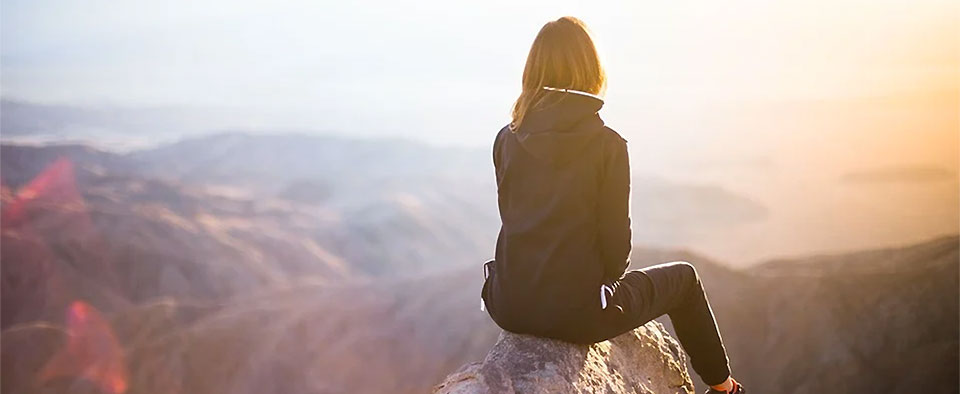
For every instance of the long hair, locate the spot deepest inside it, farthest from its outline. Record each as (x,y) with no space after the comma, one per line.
(562,57)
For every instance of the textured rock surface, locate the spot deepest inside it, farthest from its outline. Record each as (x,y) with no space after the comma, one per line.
(645,360)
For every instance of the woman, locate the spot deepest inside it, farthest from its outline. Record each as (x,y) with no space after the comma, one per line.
(563,183)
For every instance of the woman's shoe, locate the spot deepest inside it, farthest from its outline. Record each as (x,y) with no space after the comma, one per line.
(737,389)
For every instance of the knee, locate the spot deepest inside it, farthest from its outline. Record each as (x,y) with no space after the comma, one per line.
(687,268)
(689,272)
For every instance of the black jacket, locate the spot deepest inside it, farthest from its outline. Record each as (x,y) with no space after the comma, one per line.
(563,185)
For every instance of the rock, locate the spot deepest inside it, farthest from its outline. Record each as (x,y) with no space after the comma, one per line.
(646,360)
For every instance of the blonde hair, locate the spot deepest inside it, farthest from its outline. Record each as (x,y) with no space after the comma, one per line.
(562,57)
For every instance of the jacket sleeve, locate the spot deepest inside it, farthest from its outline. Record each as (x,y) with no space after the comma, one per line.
(497,142)
(614,212)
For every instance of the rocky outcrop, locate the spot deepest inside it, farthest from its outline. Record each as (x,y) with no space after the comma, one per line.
(646,360)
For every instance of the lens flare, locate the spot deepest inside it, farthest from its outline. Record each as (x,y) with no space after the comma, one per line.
(92,352)
(56,185)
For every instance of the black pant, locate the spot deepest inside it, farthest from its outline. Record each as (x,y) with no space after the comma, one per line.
(672,289)
(639,296)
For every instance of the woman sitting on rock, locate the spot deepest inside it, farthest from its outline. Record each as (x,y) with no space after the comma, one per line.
(563,181)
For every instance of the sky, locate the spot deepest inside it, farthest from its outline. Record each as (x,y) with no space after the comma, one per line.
(446,72)
(777,101)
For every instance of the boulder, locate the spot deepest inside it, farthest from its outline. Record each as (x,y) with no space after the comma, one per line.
(645,360)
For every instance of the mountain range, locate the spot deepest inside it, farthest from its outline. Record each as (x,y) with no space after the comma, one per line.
(244,263)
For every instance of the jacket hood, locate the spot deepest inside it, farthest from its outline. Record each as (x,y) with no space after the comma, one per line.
(559,131)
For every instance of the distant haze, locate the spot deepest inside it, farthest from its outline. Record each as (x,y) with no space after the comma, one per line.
(447,71)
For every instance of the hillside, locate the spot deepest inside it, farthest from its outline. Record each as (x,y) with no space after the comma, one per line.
(398,337)
(180,285)
(409,334)
(869,321)
(382,229)
(394,194)
(120,241)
